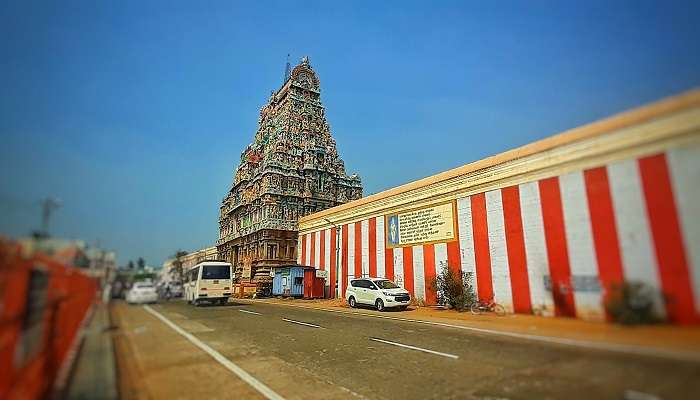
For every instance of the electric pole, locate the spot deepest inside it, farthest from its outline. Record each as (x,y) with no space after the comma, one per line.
(48,205)
(338,295)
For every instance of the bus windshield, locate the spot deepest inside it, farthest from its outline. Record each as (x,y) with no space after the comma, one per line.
(216,272)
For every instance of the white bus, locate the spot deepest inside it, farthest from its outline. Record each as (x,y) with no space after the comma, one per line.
(209,281)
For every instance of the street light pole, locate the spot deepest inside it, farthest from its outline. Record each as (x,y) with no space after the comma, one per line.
(337,257)
(47,207)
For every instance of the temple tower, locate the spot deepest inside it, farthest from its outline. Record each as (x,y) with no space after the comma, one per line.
(291,169)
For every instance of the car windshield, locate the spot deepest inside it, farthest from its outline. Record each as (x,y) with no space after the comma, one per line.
(386,284)
(216,272)
(144,286)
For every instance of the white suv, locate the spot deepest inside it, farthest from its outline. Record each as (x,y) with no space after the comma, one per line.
(378,292)
(142,292)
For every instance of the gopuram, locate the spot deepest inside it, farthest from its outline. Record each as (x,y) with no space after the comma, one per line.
(291,169)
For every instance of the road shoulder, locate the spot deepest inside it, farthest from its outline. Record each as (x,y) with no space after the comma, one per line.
(156,362)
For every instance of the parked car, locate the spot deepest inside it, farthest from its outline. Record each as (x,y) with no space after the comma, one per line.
(169,290)
(176,289)
(378,292)
(142,292)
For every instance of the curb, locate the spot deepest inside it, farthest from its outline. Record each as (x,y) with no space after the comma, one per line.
(96,353)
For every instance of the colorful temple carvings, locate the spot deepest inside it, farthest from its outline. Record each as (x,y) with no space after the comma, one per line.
(291,169)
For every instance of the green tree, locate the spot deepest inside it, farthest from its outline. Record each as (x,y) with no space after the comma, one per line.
(177,264)
(454,289)
(144,276)
(141,263)
(130,265)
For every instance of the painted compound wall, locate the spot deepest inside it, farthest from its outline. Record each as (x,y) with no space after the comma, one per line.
(554,245)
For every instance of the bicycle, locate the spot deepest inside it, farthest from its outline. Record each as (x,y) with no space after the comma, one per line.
(487,306)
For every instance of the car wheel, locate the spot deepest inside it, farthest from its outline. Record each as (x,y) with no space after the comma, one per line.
(352,302)
(379,304)
(403,308)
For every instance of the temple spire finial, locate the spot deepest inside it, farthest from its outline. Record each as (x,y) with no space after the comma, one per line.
(287,70)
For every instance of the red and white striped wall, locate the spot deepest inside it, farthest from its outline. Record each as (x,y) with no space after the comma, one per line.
(552,246)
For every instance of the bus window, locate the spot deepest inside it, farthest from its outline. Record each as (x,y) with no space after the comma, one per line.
(216,272)
(194,273)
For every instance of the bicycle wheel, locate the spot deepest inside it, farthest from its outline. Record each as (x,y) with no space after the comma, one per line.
(475,308)
(499,310)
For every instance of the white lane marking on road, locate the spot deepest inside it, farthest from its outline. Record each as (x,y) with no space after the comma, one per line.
(415,348)
(636,395)
(613,347)
(250,312)
(249,379)
(301,323)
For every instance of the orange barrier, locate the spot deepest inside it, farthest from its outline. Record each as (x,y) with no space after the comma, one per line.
(42,306)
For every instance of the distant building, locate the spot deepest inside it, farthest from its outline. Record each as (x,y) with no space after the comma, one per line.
(167,273)
(195,257)
(95,261)
(68,251)
(291,169)
(100,261)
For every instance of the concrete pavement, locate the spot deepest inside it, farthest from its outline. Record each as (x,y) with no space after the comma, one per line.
(94,376)
(306,353)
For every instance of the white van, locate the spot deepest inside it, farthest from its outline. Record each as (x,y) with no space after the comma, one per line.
(209,281)
(378,292)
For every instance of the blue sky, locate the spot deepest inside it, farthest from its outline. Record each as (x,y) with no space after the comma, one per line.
(134,113)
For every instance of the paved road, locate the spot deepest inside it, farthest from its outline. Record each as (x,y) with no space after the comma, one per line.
(308,354)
